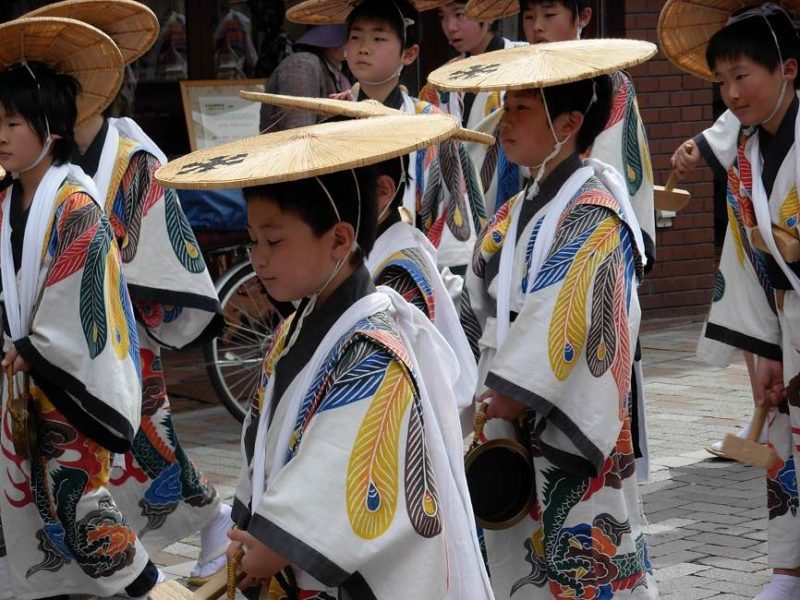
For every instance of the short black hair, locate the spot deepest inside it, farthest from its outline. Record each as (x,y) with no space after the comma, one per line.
(307,199)
(574,6)
(577,96)
(752,37)
(50,98)
(392,12)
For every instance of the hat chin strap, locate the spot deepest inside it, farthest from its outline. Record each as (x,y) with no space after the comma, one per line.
(394,75)
(44,152)
(777,104)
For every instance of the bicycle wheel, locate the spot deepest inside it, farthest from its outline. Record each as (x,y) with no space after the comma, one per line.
(233,360)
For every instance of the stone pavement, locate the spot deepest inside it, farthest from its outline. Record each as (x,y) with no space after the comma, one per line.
(707,518)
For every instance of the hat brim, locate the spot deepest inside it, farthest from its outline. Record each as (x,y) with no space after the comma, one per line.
(70,47)
(132,25)
(491,10)
(540,65)
(685,28)
(305,152)
(347,108)
(328,12)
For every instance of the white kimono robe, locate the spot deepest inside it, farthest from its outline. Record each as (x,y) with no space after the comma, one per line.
(560,314)
(353,465)
(160,491)
(63,533)
(746,314)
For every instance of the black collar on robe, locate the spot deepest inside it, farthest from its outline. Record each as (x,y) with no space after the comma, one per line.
(496,43)
(393,100)
(315,326)
(548,188)
(89,161)
(774,148)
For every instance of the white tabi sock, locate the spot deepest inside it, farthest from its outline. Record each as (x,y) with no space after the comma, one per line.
(781,587)
(213,543)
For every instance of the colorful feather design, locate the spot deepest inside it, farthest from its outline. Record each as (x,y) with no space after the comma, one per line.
(72,258)
(181,235)
(631,151)
(489,165)
(789,210)
(422,501)
(620,91)
(719,286)
(601,345)
(429,207)
(474,190)
(623,363)
(92,293)
(508,178)
(567,333)
(373,470)
(456,210)
(117,322)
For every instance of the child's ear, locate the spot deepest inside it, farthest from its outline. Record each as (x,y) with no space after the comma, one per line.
(790,69)
(410,54)
(584,17)
(386,191)
(570,124)
(344,240)
(55,136)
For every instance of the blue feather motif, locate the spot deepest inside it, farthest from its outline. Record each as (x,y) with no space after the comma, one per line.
(557,264)
(508,183)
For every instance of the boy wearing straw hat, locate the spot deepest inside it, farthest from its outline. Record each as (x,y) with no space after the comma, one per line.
(500,178)
(71,344)
(444,197)
(553,285)
(622,144)
(160,491)
(352,484)
(754,54)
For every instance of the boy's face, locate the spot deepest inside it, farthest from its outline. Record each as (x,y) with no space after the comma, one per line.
(374,50)
(749,90)
(288,257)
(524,131)
(462,33)
(20,145)
(550,21)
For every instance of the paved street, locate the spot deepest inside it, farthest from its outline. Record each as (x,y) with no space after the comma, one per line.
(707,531)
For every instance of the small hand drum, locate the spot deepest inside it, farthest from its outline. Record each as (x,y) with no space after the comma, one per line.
(500,478)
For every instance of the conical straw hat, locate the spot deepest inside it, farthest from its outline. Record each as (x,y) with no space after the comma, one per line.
(322,12)
(305,152)
(70,47)
(490,10)
(132,25)
(347,108)
(540,65)
(686,26)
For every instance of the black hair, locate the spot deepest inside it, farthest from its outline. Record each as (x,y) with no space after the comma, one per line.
(392,12)
(576,96)
(752,37)
(49,98)
(574,6)
(306,199)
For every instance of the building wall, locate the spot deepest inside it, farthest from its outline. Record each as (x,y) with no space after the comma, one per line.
(674,107)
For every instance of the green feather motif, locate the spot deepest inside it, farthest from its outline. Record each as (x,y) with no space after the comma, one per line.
(181,235)
(92,303)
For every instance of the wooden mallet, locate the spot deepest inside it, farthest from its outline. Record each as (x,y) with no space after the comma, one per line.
(749,451)
(667,198)
(222,582)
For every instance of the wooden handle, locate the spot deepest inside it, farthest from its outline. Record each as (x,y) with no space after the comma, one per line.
(671,181)
(757,423)
(233,574)
(478,424)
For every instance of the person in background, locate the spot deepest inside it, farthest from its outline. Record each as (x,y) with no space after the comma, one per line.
(314,69)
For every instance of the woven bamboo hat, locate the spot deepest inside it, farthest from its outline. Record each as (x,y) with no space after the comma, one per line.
(346,108)
(70,47)
(305,152)
(686,26)
(490,10)
(540,65)
(132,25)
(321,12)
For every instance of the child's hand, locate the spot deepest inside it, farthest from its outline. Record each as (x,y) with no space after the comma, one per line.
(12,357)
(769,388)
(503,407)
(259,562)
(686,158)
(345,95)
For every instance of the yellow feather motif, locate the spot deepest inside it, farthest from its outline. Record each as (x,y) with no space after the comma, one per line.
(117,323)
(733,225)
(645,152)
(789,211)
(373,471)
(568,325)
(492,103)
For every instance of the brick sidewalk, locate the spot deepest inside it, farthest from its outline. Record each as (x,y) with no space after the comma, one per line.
(707,531)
